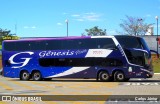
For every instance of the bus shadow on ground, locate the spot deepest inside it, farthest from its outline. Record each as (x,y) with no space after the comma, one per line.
(87,80)
(58,80)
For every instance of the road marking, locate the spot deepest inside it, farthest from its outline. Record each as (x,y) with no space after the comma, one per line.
(6,87)
(2,102)
(23,85)
(26,102)
(141,84)
(50,102)
(48,87)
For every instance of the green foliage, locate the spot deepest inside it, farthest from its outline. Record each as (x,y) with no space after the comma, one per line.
(6,35)
(4,32)
(134,26)
(156,65)
(95,31)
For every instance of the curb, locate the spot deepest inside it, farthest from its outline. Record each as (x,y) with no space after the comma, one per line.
(156,73)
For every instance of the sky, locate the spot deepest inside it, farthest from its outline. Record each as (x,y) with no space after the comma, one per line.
(46,18)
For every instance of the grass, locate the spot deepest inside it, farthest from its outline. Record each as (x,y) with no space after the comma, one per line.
(155,62)
(156,66)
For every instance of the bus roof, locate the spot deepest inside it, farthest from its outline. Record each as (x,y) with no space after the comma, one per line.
(57,38)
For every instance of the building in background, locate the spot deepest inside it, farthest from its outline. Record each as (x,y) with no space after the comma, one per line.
(152,43)
(150,31)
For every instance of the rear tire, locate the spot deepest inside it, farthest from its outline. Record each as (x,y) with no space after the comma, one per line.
(119,76)
(104,76)
(25,76)
(37,76)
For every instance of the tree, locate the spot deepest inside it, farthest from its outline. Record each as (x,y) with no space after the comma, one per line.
(4,32)
(6,35)
(95,31)
(134,26)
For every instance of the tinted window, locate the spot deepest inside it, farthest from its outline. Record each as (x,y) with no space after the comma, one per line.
(53,45)
(70,44)
(59,62)
(129,42)
(9,46)
(87,44)
(105,43)
(144,43)
(38,45)
(22,46)
(136,57)
(101,43)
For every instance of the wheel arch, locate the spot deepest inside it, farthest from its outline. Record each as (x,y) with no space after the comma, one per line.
(35,70)
(23,71)
(100,70)
(115,70)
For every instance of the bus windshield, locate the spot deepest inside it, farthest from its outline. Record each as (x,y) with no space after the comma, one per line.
(135,49)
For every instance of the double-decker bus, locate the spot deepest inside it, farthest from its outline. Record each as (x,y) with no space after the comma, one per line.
(105,58)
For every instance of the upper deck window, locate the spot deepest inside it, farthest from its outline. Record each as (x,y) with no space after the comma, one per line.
(129,42)
(94,43)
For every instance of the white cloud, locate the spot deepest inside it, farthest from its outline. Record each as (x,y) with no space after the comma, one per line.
(91,16)
(33,27)
(80,19)
(64,13)
(90,13)
(26,27)
(148,15)
(29,27)
(60,24)
(75,15)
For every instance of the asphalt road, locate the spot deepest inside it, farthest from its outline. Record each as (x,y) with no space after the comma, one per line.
(76,89)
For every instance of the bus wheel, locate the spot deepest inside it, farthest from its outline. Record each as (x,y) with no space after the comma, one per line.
(104,76)
(24,75)
(36,76)
(119,76)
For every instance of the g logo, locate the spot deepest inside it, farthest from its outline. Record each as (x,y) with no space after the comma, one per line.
(25,62)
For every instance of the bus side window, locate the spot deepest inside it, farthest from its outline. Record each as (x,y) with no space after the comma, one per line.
(106,43)
(22,46)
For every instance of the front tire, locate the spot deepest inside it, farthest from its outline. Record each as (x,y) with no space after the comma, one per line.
(104,76)
(37,76)
(25,76)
